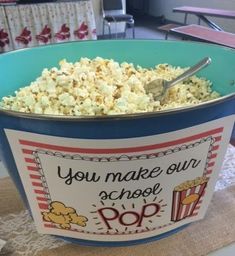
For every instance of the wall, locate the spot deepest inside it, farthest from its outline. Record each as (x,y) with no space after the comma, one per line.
(99,21)
(164,7)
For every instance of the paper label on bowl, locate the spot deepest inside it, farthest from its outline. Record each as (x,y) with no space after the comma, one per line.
(120,189)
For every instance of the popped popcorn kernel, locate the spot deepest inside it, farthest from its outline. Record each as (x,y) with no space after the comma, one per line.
(105,87)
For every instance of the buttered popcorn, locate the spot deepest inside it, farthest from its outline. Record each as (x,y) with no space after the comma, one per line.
(104,87)
(191,183)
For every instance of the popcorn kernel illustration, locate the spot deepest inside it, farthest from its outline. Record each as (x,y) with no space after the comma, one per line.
(63,216)
(62,220)
(78,219)
(59,208)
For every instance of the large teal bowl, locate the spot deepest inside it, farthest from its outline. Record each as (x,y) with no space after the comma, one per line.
(20,67)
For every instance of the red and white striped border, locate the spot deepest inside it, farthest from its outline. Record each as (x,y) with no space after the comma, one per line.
(39,184)
(209,168)
(30,146)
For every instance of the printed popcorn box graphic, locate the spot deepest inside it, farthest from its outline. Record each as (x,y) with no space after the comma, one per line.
(186,197)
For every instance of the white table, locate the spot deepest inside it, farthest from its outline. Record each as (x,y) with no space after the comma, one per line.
(45,23)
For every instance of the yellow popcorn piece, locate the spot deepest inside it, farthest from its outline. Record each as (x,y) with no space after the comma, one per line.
(63,216)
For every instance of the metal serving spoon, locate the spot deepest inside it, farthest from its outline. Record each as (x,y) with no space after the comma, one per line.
(159,87)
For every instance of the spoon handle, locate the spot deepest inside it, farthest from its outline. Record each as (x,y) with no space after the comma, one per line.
(194,69)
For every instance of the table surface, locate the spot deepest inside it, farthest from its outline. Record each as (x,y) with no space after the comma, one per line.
(207,34)
(206,11)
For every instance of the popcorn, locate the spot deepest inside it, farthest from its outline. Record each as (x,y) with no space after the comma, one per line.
(63,216)
(191,183)
(186,197)
(104,87)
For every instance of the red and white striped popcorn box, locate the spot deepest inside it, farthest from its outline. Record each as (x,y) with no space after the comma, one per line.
(186,202)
